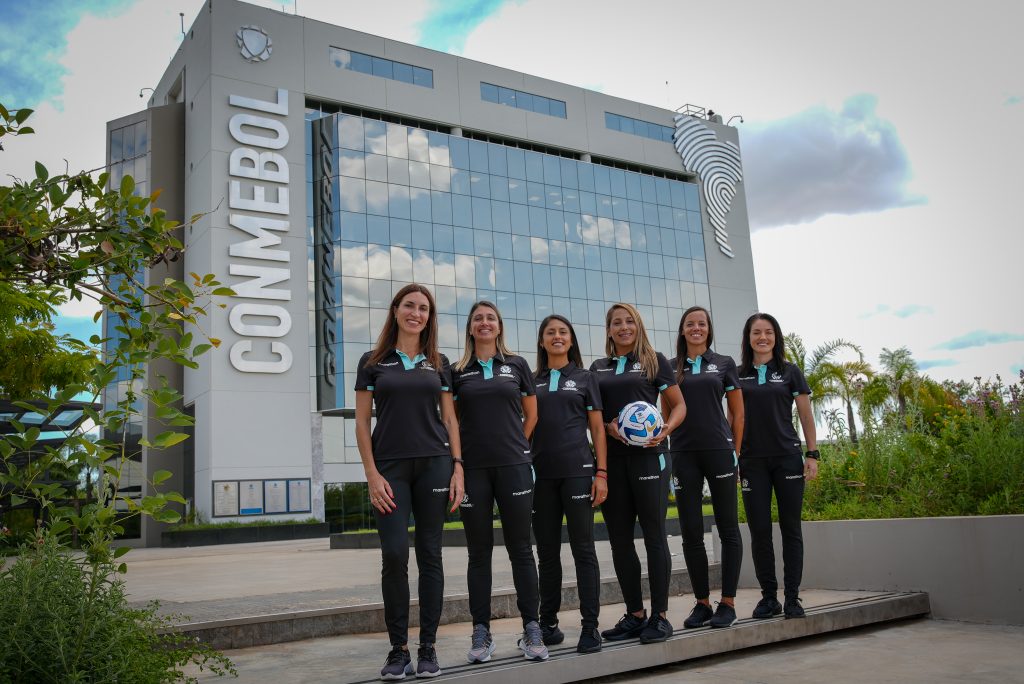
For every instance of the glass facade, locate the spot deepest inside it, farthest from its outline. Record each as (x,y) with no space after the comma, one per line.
(521,100)
(384,68)
(535,233)
(644,129)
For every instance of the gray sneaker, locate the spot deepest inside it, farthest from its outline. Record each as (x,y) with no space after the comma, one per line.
(532,642)
(483,645)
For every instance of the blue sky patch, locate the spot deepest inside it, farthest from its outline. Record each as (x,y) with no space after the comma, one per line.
(34,40)
(979,338)
(449,23)
(936,363)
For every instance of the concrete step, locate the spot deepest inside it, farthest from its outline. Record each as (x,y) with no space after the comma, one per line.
(357,658)
(261,629)
(565,665)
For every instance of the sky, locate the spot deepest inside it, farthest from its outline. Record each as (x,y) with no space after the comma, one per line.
(882,141)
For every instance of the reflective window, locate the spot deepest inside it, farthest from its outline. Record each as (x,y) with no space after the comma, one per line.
(522,100)
(384,68)
(537,233)
(632,126)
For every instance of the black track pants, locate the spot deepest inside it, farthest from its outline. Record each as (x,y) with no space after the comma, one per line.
(718,467)
(551,500)
(420,487)
(512,488)
(784,475)
(638,490)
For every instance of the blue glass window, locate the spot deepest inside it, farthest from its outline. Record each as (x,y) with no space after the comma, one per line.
(645,129)
(381,67)
(519,99)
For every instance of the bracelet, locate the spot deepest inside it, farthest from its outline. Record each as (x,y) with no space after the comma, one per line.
(813,453)
(601,474)
(602,470)
(456,459)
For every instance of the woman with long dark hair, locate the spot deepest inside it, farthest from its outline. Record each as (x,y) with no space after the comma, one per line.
(771,460)
(704,447)
(571,479)
(412,463)
(497,406)
(638,476)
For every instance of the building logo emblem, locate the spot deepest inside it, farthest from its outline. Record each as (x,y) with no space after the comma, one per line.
(254,44)
(717,165)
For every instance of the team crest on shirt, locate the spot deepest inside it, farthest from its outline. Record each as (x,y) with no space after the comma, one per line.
(776,377)
(465,502)
(712,368)
(505,369)
(637,366)
(569,385)
(425,365)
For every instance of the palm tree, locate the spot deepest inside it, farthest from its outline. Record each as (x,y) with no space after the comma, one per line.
(825,375)
(901,377)
(852,378)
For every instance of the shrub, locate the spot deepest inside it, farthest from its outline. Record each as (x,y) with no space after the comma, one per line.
(64,619)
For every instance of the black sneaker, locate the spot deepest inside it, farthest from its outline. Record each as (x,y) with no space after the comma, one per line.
(793,609)
(767,607)
(426,661)
(398,665)
(658,629)
(725,616)
(629,626)
(590,641)
(551,634)
(700,616)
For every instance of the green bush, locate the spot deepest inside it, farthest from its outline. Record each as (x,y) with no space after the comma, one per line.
(64,619)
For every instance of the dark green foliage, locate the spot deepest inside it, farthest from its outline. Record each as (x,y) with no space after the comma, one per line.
(63,619)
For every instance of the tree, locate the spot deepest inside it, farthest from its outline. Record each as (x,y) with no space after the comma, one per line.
(900,376)
(61,238)
(820,367)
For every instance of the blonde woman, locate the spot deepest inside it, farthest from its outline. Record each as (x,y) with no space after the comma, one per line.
(638,476)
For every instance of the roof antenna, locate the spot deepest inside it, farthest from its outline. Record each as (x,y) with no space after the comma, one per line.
(181,16)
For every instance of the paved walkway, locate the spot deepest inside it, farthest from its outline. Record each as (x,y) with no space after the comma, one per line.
(237,580)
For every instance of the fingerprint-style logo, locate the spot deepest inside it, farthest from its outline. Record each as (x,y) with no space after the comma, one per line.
(717,165)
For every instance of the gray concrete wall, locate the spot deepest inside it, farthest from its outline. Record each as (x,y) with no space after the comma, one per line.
(972,567)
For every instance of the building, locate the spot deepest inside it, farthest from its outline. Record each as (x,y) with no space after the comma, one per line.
(333,166)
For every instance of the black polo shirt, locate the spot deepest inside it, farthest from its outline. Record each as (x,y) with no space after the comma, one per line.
(621,379)
(490,400)
(768,394)
(560,445)
(705,381)
(406,393)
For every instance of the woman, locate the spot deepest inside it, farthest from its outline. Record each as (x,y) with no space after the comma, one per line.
(408,460)
(771,460)
(571,480)
(705,448)
(497,407)
(638,476)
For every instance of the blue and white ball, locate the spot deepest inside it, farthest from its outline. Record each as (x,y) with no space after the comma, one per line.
(639,423)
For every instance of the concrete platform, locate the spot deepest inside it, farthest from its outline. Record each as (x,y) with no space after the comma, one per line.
(243,595)
(358,658)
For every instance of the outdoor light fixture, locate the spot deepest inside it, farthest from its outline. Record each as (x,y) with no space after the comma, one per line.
(736,116)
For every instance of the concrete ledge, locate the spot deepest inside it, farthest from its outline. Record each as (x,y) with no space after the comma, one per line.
(971,567)
(370,540)
(565,665)
(243,535)
(260,630)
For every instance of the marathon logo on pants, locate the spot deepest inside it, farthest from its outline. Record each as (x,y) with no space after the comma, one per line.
(648,477)
(439,490)
(795,477)
(525,491)
(580,496)
(725,475)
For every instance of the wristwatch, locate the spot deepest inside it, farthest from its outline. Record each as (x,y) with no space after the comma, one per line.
(813,453)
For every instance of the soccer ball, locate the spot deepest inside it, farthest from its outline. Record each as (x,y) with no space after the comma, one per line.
(639,422)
